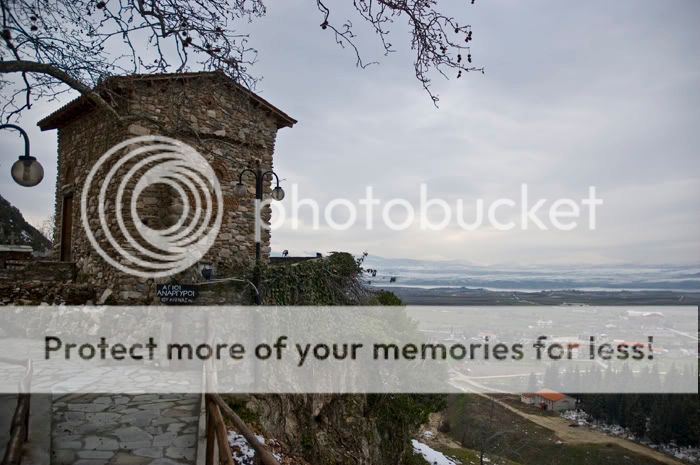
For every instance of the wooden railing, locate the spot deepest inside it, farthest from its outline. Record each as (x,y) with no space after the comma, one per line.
(217,434)
(19,428)
(216,410)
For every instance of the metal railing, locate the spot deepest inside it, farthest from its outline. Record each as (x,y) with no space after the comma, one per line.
(19,428)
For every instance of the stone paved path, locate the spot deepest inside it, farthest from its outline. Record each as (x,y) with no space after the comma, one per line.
(143,429)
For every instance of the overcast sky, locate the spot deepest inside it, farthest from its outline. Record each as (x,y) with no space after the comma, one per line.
(575,94)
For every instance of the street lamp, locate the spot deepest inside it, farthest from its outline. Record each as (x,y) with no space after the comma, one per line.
(240,190)
(26,171)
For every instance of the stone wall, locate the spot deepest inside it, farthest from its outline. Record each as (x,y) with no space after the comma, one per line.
(42,292)
(38,270)
(223,123)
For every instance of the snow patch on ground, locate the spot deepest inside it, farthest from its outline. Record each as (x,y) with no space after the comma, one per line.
(581,418)
(431,455)
(243,453)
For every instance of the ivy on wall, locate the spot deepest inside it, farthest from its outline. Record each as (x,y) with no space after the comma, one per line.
(334,280)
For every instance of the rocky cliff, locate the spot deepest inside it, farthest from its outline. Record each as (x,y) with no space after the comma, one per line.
(14,229)
(333,429)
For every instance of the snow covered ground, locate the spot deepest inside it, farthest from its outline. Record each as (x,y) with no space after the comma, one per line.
(243,453)
(581,418)
(432,456)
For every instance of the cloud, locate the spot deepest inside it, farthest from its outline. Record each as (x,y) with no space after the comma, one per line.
(595,93)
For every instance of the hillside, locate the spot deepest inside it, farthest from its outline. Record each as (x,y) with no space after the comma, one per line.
(15,229)
(474,421)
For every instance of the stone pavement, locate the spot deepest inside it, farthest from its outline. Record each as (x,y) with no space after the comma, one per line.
(119,429)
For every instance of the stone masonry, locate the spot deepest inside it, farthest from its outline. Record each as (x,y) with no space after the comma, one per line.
(227,124)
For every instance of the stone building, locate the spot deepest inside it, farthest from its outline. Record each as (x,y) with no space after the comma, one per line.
(230,126)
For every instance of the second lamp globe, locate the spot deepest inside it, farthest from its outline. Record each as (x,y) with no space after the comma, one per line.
(277,193)
(239,190)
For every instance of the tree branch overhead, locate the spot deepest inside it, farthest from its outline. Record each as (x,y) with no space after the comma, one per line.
(59,45)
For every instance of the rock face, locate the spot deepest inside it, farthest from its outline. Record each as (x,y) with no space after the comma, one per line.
(14,229)
(229,126)
(330,429)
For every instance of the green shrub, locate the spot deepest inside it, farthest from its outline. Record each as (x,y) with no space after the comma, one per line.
(383,297)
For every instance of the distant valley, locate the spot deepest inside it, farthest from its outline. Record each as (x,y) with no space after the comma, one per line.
(454,283)
(418,273)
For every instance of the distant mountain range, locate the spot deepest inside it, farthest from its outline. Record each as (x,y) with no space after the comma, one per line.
(429,274)
(14,229)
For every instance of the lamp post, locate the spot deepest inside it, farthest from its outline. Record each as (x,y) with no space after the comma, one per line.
(26,171)
(240,190)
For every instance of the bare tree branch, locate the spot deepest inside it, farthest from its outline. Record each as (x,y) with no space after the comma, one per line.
(80,43)
(440,43)
(31,67)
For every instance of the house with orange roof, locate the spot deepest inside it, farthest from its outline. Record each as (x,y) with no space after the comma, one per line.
(547,399)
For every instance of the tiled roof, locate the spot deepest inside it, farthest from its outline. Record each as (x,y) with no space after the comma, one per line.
(550,395)
(80,104)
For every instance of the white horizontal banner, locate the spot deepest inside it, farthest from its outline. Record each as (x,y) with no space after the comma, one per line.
(414,349)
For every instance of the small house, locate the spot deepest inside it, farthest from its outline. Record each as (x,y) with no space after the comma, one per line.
(546,399)
(230,126)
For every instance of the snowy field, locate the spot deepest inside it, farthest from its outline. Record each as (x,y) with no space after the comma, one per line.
(689,454)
